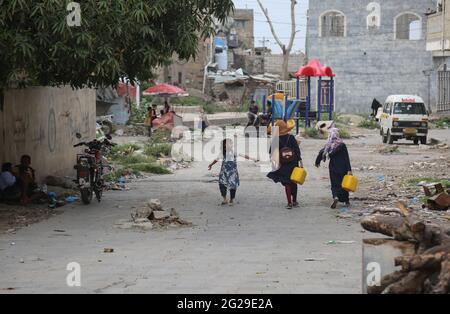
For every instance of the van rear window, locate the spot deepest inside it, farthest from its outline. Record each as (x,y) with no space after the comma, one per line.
(410,108)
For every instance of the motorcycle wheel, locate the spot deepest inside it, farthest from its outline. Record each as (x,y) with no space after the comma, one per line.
(86,196)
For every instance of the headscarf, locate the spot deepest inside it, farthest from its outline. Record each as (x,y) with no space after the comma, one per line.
(334,140)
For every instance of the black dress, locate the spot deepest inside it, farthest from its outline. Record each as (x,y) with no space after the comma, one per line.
(283,174)
(339,167)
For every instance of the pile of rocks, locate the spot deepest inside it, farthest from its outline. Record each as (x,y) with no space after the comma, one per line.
(152,216)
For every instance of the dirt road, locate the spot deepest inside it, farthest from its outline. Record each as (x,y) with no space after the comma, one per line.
(255,247)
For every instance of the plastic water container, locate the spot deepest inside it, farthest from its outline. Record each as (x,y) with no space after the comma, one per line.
(298,175)
(350,183)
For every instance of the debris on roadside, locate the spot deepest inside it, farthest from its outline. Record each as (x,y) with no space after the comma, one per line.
(428,270)
(388,149)
(153,216)
(108,250)
(332,242)
(439,199)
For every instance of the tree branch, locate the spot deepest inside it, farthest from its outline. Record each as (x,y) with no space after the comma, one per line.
(293,26)
(272,29)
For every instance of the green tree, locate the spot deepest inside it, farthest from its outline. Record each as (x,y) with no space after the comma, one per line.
(116,38)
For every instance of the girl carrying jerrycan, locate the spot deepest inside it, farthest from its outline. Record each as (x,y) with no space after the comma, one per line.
(336,151)
(289,160)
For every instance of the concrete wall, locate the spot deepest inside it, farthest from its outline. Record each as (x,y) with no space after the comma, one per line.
(42,122)
(192,71)
(273,63)
(369,62)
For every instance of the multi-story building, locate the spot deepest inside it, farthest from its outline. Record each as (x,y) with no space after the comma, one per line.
(438,43)
(376,48)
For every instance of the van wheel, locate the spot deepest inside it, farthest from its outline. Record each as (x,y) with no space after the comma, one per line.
(423,140)
(384,137)
(390,138)
(416,141)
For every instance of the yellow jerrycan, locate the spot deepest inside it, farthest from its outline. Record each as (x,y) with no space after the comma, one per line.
(298,175)
(350,183)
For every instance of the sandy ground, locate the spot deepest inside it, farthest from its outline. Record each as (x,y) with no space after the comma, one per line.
(256,246)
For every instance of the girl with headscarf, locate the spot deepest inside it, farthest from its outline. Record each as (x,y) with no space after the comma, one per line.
(336,151)
(283,174)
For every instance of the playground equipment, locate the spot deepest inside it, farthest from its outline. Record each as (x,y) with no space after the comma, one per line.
(296,108)
(315,69)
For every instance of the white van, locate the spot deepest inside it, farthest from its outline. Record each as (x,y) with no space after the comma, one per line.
(403,116)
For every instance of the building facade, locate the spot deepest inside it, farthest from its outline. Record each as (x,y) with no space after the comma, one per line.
(438,43)
(376,48)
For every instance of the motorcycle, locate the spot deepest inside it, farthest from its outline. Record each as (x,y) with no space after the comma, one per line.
(90,168)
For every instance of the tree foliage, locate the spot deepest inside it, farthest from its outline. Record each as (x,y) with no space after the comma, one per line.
(116,39)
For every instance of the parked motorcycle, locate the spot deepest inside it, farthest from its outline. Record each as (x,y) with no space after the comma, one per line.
(90,168)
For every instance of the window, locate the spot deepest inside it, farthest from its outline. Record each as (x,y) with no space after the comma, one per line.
(408,26)
(240,23)
(410,108)
(332,24)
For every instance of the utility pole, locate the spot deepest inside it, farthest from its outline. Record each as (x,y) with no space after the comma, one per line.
(263,41)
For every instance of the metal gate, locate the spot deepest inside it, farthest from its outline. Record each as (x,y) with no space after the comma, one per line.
(443,103)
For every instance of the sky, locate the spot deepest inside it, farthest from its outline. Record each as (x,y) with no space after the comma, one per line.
(279,12)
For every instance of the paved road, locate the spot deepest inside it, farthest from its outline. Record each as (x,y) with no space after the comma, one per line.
(255,247)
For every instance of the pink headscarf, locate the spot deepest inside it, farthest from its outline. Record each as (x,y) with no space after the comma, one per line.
(334,140)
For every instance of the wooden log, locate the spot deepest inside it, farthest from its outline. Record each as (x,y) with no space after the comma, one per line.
(443,285)
(417,262)
(386,281)
(388,225)
(412,283)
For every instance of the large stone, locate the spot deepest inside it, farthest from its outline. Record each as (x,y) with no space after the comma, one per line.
(143,212)
(161,214)
(154,204)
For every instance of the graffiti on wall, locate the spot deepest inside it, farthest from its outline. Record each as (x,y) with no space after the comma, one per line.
(51,130)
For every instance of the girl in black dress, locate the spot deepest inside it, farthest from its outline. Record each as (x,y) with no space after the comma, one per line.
(283,174)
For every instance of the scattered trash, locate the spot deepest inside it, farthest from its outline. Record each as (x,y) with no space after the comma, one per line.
(108,250)
(315,259)
(389,149)
(339,242)
(437,200)
(71,199)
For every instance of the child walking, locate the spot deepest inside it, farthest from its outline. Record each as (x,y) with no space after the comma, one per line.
(229,176)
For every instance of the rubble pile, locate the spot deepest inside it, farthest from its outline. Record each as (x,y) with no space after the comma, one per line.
(437,200)
(428,270)
(152,216)
(384,188)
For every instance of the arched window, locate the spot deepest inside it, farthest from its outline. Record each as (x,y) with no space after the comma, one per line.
(332,24)
(408,26)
